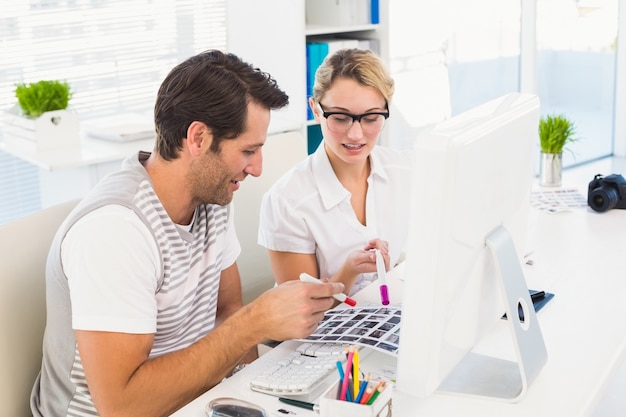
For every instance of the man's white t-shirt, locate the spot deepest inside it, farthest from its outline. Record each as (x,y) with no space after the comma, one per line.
(112,291)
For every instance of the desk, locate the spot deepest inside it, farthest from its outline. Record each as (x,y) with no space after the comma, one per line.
(579,256)
(238,386)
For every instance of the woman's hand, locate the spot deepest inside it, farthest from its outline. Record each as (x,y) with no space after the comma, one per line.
(364,260)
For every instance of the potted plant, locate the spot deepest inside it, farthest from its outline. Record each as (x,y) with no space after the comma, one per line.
(37,98)
(41,116)
(555,133)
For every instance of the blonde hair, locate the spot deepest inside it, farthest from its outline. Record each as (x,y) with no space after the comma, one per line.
(361,65)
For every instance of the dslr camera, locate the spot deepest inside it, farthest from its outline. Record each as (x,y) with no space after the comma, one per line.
(606,193)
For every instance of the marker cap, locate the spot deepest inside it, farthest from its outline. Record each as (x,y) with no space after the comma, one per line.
(384,295)
(350,301)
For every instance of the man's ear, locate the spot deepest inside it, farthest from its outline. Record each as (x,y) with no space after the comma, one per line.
(199,138)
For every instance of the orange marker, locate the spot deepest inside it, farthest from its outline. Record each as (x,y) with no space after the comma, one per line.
(369,391)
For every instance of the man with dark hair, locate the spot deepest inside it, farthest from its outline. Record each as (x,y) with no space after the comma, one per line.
(143,292)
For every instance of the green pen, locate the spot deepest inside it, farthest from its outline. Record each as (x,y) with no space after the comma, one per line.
(379,389)
(301,404)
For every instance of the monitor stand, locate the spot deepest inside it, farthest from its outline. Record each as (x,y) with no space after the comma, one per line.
(487,376)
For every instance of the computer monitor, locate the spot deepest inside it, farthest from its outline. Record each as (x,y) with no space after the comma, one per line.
(470,199)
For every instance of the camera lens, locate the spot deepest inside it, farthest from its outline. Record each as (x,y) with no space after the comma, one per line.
(603,199)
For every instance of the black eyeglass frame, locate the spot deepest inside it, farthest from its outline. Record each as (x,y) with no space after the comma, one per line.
(354,117)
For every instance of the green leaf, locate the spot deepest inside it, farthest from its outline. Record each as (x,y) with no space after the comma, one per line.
(37,98)
(555,132)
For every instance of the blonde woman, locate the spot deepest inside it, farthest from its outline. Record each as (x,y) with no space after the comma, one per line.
(327,214)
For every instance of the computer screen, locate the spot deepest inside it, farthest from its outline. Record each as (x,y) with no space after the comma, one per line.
(470,198)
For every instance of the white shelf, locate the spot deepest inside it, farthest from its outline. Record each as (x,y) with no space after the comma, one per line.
(312,30)
(92,151)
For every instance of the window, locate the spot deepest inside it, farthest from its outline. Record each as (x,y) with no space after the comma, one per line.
(483,51)
(576,58)
(113,53)
(574,68)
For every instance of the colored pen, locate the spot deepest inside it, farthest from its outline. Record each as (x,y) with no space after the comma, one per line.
(355,373)
(341,297)
(379,388)
(346,375)
(340,369)
(382,277)
(362,389)
(369,390)
(341,376)
(373,397)
(301,404)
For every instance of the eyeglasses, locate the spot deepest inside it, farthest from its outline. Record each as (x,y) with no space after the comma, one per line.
(341,122)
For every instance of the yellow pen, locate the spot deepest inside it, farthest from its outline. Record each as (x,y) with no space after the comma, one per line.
(355,375)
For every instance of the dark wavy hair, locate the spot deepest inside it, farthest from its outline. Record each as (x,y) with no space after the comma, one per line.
(214,88)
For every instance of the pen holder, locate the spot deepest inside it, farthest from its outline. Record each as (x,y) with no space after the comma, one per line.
(330,406)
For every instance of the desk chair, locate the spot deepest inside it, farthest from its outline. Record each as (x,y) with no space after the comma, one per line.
(24,245)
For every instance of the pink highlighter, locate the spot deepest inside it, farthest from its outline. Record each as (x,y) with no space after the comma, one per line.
(382,277)
(341,297)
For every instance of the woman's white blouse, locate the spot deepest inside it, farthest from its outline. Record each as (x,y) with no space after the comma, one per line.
(308,211)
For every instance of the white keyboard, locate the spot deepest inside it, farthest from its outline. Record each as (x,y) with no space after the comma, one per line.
(303,374)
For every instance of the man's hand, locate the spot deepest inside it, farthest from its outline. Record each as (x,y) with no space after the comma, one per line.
(293,310)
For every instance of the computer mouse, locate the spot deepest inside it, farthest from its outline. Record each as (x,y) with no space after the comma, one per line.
(232,407)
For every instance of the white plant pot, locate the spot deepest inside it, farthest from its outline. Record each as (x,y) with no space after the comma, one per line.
(52,130)
(550,169)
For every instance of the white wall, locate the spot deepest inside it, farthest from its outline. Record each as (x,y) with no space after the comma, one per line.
(270,35)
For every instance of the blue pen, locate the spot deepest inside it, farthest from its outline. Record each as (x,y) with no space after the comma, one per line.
(349,391)
(361,391)
(340,370)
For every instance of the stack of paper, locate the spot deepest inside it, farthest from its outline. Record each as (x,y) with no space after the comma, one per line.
(120,128)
